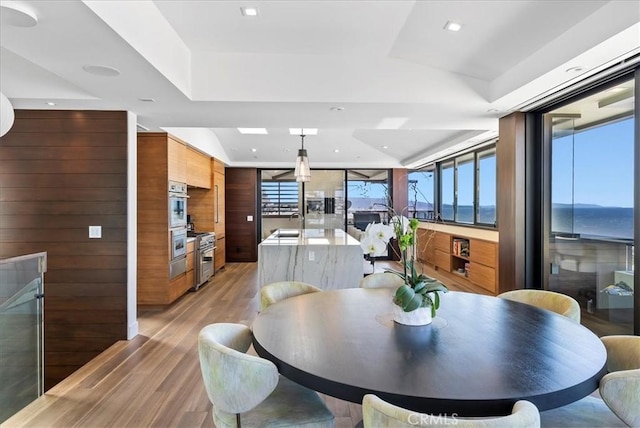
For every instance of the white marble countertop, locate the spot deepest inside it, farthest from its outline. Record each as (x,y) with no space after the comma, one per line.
(333,237)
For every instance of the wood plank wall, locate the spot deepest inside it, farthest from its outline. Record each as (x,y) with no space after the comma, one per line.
(61,171)
(241,192)
(510,158)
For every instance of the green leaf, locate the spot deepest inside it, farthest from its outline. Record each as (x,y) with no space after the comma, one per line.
(404,293)
(413,304)
(419,286)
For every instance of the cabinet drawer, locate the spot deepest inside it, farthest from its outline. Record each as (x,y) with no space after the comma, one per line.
(442,242)
(483,276)
(443,260)
(482,252)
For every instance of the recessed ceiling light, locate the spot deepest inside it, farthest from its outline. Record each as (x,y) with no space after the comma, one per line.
(147,100)
(101,70)
(305,131)
(575,69)
(493,110)
(17,15)
(253,131)
(385,147)
(51,103)
(249,11)
(337,108)
(452,26)
(254,150)
(336,151)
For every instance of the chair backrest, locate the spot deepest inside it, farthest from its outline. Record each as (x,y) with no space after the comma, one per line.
(623,352)
(620,389)
(550,300)
(235,381)
(381,280)
(274,292)
(378,413)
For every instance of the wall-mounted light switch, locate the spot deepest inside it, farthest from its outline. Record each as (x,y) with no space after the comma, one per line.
(249,218)
(95,232)
(312,256)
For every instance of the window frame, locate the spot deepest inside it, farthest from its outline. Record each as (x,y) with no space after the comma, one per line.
(291,184)
(473,155)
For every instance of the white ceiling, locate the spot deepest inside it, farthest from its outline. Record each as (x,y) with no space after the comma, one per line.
(404,82)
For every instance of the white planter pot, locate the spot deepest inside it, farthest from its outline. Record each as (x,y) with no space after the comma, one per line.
(420,316)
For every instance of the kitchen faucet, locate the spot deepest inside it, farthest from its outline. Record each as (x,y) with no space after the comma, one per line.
(301,217)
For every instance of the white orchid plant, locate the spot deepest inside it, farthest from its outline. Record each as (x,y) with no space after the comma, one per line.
(418,289)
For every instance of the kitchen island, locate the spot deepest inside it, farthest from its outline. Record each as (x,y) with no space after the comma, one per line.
(326,258)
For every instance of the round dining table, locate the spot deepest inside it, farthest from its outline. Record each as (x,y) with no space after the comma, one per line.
(478,357)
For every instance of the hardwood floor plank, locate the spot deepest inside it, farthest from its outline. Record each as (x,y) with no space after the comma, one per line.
(154,379)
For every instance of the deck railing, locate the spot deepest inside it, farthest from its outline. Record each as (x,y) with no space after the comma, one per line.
(21,331)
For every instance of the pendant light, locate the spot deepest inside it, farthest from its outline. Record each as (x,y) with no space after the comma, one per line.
(303,171)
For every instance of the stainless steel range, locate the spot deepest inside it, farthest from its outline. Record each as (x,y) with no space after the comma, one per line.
(204,249)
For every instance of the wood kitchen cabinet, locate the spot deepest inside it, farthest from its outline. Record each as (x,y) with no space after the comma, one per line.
(191,273)
(219,214)
(198,169)
(161,157)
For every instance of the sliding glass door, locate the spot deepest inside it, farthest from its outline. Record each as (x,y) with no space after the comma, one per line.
(590,224)
(324,200)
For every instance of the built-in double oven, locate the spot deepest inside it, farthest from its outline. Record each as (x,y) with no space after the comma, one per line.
(178,228)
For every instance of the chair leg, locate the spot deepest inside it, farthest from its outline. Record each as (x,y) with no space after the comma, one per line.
(238,425)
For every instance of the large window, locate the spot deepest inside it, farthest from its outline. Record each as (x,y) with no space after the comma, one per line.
(447,191)
(279,198)
(465,188)
(486,186)
(590,250)
(421,199)
(466,193)
(368,197)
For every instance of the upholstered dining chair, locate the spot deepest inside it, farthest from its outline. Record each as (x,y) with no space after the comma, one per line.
(378,413)
(247,390)
(276,291)
(619,389)
(550,300)
(381,280)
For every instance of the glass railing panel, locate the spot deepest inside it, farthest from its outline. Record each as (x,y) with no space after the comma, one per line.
(21,332)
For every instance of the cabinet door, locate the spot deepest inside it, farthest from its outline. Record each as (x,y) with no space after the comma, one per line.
(219,255)
(442,260)
(483,276)
(425,249)
(482,252)
(442,242)
(177,160)
(219,205)
(198,169)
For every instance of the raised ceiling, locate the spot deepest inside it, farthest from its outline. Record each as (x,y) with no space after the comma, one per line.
(403,82)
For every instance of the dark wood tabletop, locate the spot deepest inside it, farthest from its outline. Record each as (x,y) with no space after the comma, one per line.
(480,355)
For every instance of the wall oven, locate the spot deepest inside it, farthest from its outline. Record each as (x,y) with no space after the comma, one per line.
(177,204)
(178,263)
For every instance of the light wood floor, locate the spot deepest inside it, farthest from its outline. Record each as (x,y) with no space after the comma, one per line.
(154,380)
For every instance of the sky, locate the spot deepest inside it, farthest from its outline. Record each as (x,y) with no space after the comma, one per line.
(595,166)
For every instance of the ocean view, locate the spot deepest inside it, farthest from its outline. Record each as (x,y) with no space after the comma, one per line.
(611,222)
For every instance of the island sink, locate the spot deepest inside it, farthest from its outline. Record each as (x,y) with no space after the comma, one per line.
(287,233)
